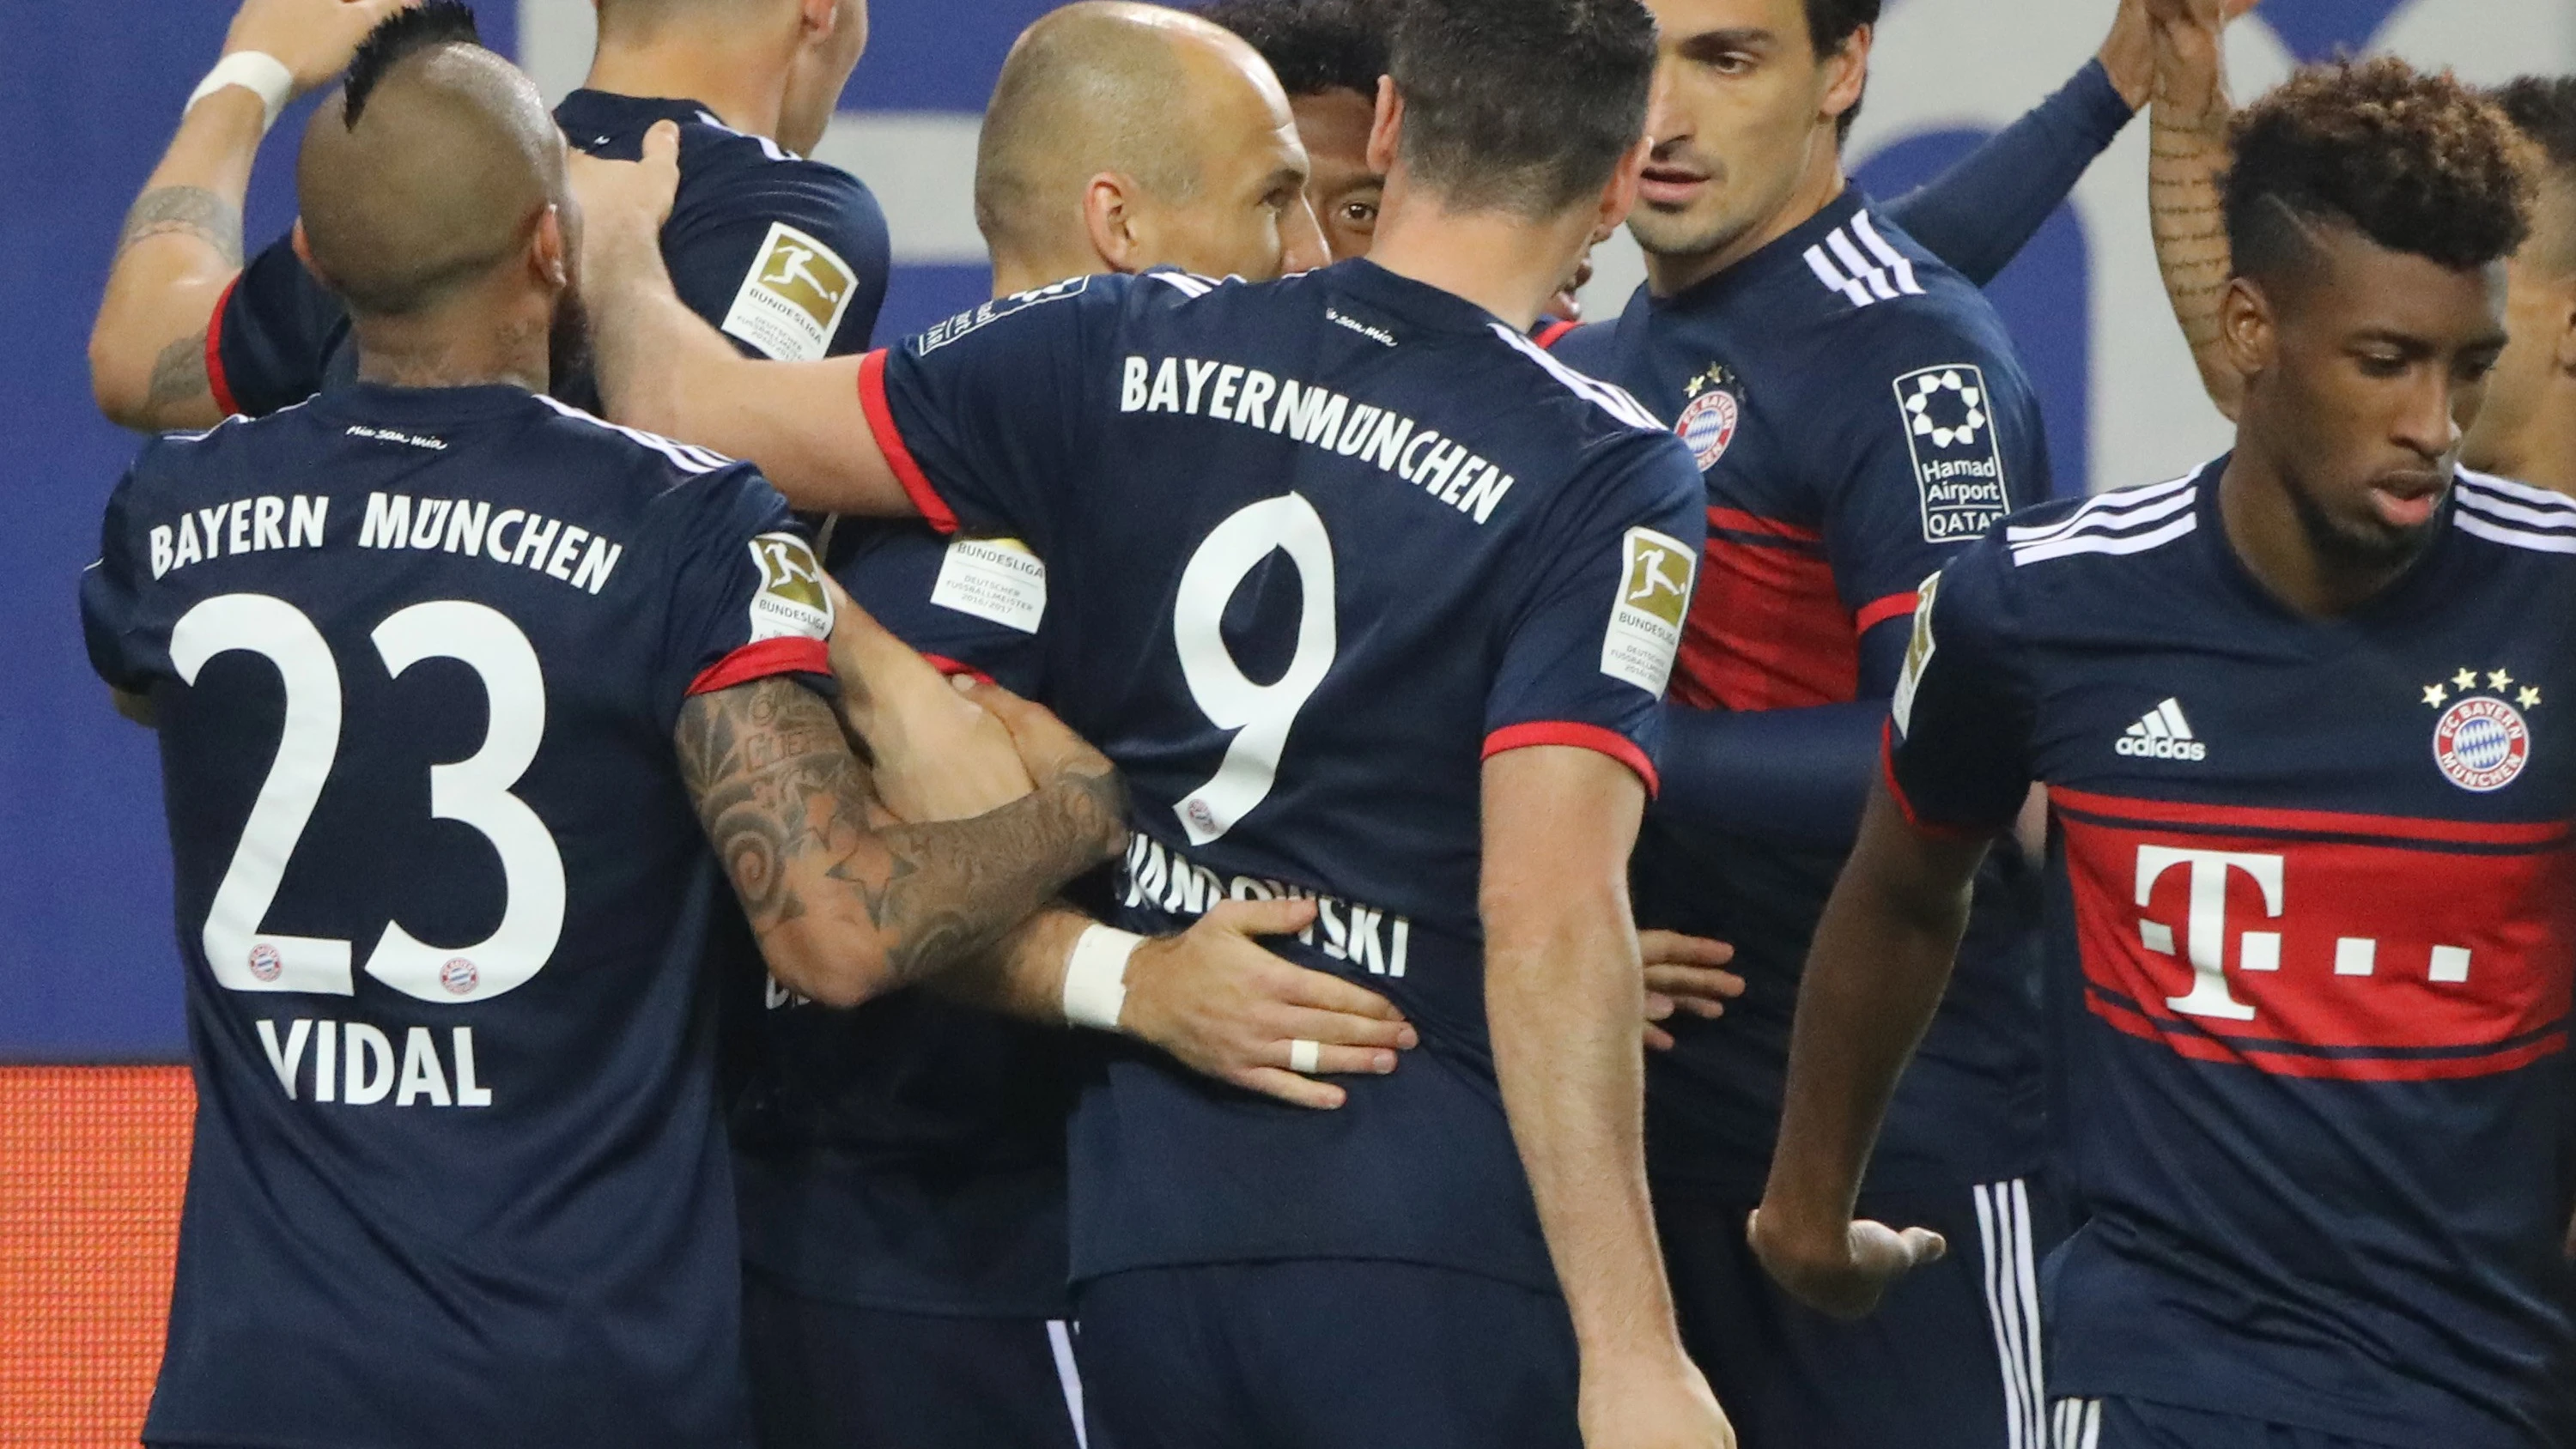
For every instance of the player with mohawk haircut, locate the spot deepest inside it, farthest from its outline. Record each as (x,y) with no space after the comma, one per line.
(2313,848)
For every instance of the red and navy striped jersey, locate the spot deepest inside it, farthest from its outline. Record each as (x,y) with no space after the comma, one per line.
(446,910)
(1858,414)
(1314,549)
(787,256)
(2314,884)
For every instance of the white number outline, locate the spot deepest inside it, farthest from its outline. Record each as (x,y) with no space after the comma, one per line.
(1261,714)
(474,792)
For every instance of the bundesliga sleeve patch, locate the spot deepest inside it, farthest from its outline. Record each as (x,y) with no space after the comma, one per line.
(1646,619)
(1950,430)
(790,302)
(791,602)
(997,579)
(1918,656)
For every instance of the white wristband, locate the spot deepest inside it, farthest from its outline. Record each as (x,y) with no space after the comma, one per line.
(1095,976)
(255,71)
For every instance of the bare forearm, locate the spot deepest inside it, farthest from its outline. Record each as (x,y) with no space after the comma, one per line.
(181,246)
(1563,1000)
(2188,155)
(1023,975)
(1875,973)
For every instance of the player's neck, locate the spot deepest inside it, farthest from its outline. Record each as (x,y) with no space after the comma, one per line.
(1016,273)
(1819,185)
(2276,546)
(1508,265)
(453,348)
(744,84)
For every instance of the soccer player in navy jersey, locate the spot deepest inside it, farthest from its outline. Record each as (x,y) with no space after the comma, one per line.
(456,685)
(901,1167)
(2313,849)
(1387,678)
(788,256)
(1858,414)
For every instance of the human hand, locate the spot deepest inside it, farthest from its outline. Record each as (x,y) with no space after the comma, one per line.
(1839,1271)
(1682,975)
(313,39)
(625,202)
(1229,1008)
(1061,763)
(1660,1401)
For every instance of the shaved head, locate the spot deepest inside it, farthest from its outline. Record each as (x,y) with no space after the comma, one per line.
(1162,98)
(440,176)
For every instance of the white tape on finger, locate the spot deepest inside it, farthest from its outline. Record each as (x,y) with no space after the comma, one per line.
(1305,1056)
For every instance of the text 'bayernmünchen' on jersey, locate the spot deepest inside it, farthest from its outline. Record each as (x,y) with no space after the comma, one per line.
(512,536)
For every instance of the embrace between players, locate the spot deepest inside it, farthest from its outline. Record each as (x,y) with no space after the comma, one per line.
(1366,584)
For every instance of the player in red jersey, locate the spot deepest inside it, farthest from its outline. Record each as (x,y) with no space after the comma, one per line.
(2313,847)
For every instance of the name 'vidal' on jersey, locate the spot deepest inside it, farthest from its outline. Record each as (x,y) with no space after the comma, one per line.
(1314,549)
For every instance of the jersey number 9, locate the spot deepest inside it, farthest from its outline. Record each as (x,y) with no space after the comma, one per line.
(1259,713)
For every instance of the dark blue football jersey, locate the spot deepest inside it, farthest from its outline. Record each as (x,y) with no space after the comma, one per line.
(1857,413)
(1315,548)
(2313,883)
(445,908)
(787,256)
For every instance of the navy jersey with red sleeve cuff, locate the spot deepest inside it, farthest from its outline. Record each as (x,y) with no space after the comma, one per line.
(1859,415)
(1315,549)
(446,910)
(2313,884)
(788,257)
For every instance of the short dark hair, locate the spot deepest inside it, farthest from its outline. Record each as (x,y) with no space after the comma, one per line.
(2417,162)
(2543,109)
(1830,26)
(400,36)
(1314,45)
(1521,105)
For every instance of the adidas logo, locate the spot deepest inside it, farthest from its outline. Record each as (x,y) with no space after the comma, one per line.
(2163,734)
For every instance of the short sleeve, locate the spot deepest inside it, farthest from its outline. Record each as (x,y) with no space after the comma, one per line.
(788,259)
(968,605)
(1592,644)
(271,340)
(1958,737)
(982,415)
(746,595)
(123,647)
(1940,442)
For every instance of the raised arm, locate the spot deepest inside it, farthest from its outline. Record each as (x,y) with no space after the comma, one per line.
(182,242)
(2187,161)
(1563,992)
(845,910)
(661,367)
(1881,959)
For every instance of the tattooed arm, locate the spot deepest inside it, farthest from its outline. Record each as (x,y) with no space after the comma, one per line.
(844,912)
(2188,155)
(182,243)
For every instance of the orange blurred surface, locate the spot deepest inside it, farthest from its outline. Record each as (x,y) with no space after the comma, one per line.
(93,1161)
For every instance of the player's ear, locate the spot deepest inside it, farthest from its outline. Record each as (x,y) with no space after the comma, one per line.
(549,254)
(2248,328)
(303,248)
(2565,342)
(1620,196)
(1386,127)
(1114,223)
(1847,73)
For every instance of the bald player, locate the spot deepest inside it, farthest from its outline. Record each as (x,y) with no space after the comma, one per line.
(901,1168)
(787,256)
(455,686)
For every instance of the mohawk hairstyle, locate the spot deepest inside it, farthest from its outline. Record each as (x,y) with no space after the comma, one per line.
(402,35)
(2418,163)
(1314,45)
(1522,106)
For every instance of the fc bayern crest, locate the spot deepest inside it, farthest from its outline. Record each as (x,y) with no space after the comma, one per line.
(2481,743)
(265,963)
(1708,425)
(458,976)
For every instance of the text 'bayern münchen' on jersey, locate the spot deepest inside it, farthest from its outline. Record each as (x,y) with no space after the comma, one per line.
(786,256)
(2314,885)
(1314,549)
(417,658)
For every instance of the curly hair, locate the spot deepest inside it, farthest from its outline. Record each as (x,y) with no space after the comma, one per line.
(2419,163)
(1314,45)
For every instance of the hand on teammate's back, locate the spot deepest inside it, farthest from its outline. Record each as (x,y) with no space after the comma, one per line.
(313,39)
(622,200)
(1842,1278)
(1226,1006)
(1682,975)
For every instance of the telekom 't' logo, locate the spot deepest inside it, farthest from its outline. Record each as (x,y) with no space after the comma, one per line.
(2205,930)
